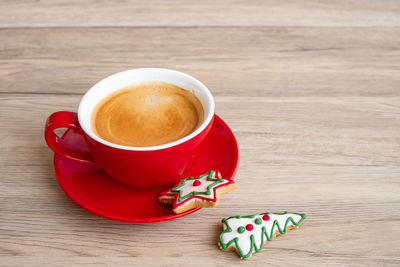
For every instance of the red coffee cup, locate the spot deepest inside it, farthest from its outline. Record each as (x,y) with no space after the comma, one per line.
(142,167)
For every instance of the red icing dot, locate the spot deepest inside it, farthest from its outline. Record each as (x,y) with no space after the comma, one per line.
(196,183)
(266,217)
(249,227)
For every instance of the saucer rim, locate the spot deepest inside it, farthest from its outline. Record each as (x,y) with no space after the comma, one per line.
(72,195)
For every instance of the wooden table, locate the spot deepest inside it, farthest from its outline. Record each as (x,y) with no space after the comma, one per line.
(310,88)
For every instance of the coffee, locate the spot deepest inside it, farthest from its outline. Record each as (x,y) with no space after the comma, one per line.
(147,114)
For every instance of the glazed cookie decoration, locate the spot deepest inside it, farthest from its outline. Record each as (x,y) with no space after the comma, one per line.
(247,234)
(197,192)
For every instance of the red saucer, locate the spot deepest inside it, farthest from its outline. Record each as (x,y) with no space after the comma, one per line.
(97,192)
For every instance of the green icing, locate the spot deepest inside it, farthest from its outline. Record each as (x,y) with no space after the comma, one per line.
(241,230)
(258,221)
(264,231)
(210,174)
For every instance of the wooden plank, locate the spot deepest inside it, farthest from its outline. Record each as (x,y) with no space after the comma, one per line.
(308,131)
(335,159)
(37,219)
(61,13)
(237,61)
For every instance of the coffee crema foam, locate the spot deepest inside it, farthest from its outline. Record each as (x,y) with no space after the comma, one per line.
(147,114)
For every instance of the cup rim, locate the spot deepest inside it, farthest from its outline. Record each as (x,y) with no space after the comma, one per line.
(200,129)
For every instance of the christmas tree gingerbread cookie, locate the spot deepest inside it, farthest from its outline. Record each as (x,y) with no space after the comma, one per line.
(197,192)
(247,234)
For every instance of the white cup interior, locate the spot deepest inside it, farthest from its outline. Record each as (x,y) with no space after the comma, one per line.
(122,79)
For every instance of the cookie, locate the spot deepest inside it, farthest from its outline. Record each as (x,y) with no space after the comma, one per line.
(247,234)
(197,192)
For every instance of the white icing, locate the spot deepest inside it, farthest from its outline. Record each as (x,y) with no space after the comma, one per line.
(244,239)
(188,187)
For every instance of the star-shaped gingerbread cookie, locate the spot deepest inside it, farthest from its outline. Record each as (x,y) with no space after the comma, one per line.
(197,192)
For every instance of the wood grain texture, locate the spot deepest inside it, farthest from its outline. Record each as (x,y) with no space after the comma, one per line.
(311,90)
(227,13)
(334,158)
(254,61)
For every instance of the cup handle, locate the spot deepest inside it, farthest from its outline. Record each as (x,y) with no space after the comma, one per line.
(69,120)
